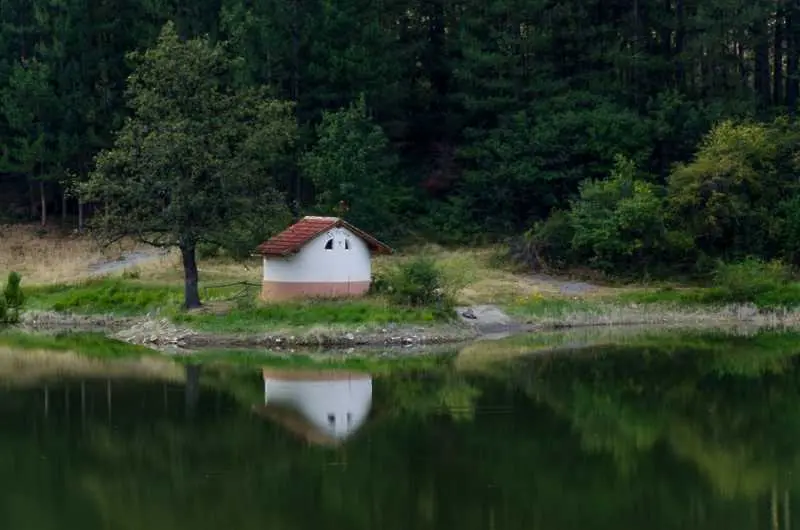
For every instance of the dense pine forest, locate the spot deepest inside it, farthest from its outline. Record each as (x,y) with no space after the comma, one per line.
(636,135)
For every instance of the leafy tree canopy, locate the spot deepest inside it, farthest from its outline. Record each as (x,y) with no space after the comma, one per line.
(353,163)
(192,163)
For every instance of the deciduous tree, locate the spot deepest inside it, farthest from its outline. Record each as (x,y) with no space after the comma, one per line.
(192,163)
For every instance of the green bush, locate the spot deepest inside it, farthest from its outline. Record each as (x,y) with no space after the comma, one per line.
(547,245)
(748,280)
(617,225)
(417,283)
(13,299)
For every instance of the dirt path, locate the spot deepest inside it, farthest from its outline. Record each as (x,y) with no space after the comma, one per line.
(127,260)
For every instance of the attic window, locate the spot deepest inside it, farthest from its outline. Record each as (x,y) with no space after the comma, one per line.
(329,244)
(347,244)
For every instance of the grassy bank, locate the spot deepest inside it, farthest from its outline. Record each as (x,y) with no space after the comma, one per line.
(482,276)
(306,314)
(649,309)
(228,309)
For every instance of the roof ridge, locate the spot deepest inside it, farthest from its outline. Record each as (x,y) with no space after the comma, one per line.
(298,234)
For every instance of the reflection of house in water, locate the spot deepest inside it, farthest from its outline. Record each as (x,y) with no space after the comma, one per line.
(323,407)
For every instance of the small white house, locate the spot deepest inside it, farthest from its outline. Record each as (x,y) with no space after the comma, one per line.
(318,257)
(322,407)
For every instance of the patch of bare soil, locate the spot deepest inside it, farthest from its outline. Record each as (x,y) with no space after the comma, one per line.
(126,260)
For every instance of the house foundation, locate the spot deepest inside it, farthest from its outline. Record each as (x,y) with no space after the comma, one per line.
(275,291)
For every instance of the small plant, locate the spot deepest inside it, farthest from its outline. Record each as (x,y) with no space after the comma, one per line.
(417,283)
(12,300)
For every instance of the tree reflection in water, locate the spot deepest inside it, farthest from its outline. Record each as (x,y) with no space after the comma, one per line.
(653,435)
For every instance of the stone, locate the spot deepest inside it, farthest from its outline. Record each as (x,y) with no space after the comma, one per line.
(469,313)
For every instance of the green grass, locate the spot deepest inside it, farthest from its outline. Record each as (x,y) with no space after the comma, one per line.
(89,344)
(103,296)
(306,314)
(125,297)
(552,307)
(116,296)
(785,296)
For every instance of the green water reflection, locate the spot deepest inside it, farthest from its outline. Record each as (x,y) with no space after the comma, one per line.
(700,432)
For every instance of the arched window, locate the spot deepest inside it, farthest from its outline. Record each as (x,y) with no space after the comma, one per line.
(347,244)
(329,244)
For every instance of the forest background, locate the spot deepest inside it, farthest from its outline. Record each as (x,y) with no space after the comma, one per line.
(643,137)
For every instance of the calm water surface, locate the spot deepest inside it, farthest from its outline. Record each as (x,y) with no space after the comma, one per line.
(645,436)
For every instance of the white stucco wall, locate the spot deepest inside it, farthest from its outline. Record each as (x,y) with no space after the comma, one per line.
(336,407)
(316,264)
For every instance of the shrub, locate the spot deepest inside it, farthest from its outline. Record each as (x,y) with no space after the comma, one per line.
(547,245)
(418,283)
(616,225)
(13,299)
(750,279)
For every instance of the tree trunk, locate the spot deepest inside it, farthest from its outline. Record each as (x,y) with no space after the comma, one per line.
(791,58)
(777,57)
(192,389)
(191,292)
(680,38)
(32,197)
(44,203)
(80,215)
(761,81)
(63,204)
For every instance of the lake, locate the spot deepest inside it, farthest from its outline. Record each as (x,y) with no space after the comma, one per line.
(666,431)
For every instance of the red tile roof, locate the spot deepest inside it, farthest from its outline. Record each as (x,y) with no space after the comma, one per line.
(296,236)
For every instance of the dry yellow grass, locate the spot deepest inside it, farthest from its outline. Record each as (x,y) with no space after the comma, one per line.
(484,276)
(217,270)
(479,276)
(61,257)
(52,257)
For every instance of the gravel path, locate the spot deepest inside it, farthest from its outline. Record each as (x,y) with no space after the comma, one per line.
(129,259)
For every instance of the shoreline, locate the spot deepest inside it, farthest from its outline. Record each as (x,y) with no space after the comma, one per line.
(161,334)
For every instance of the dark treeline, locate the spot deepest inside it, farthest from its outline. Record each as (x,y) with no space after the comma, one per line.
(469,119)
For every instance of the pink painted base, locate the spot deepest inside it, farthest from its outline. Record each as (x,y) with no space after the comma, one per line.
(271,291)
